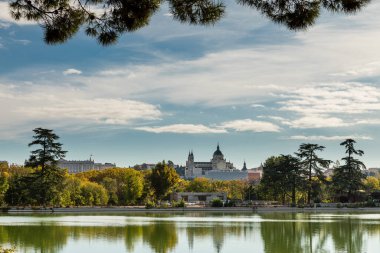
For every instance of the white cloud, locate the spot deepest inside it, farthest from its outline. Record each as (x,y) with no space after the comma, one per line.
(257,106)
(248,125)
(100,111)
(23,42)
(183,129)
(331,105)
(64,106)
(329,138)
(347,98)
(244,125)
(72,72)
(6,18)
(317,121)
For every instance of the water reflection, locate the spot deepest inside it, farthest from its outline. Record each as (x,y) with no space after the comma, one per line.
(270,233)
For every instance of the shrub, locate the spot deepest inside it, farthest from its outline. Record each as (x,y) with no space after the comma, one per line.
(150,204)
(230,203)
(370,203)
(180,204)
(164,205)
(217,203)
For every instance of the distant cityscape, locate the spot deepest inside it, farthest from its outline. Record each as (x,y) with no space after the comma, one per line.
(218,168)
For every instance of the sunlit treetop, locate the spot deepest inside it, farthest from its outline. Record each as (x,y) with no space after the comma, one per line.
(106,20)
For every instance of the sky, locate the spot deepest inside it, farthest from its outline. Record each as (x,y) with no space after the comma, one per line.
(246,83)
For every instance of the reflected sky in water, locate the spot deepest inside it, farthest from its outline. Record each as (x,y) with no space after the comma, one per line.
(192,232)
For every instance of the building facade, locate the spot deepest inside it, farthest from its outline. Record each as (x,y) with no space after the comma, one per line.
(194,197)
(217,168)
(83,166)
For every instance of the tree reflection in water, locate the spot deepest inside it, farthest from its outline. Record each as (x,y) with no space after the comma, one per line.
(296,233)
(300,233)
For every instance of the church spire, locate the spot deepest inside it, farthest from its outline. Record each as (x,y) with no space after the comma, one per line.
(244,166)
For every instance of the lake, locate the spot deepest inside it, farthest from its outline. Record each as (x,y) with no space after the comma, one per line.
(192,232)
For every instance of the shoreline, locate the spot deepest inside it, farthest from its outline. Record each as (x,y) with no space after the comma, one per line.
(121,210)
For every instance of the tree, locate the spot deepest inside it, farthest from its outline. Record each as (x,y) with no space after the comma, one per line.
(347,178)
(4,167)
(49,152)
(4,185)
(124,186)
(93,194)
(108,19)
(312,164)
(283,176)
(371,184)
(46,182)
(200,184)
(163,179)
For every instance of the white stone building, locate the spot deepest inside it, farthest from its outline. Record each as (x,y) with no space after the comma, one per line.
(202,169)
(82,166)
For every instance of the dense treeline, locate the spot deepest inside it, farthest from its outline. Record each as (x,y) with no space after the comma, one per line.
(287,179)
(116,186)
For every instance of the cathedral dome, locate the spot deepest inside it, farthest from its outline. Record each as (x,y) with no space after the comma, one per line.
(218,152)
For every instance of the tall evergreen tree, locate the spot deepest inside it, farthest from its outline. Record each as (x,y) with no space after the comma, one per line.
(312,163)
(49,152)
(46,181)
(347,178)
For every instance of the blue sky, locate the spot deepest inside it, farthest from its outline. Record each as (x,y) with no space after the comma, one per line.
(251,85)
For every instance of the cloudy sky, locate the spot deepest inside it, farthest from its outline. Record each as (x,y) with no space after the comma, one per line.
(251,85)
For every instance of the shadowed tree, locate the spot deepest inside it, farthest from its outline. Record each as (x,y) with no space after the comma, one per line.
(283,176)
(46,182)
(163,179)
(347,178)
(108,19)
(312,164)
(49,151)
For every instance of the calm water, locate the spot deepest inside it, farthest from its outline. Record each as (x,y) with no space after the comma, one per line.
(192,232)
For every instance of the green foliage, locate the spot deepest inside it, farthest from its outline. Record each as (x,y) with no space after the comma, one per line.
(163,179)
(347,178)
(4,167)
(283,177)
(150,204)
(124,186)
(4,185)
(235,189)
(18,192)
(312,165)
(61,19)
(200,184)
(371,184)
(48,152)
(197,12)
(72,193)
(217,203)
(46,185)
(93,194)
(37,188)
(179,204)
